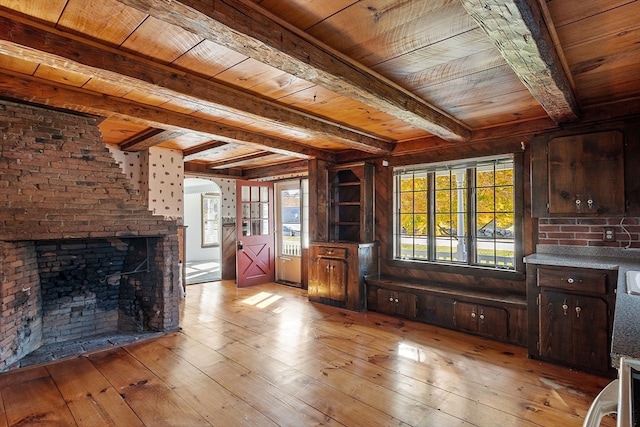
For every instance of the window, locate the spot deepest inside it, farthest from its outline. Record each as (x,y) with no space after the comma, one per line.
(460,214)
(211,219)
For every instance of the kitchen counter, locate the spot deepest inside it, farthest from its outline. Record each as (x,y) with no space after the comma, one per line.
(626,323)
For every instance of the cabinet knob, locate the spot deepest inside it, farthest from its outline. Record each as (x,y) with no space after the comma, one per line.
(391,299)
(578,310)
(590,203)
(565,307)
(473,315)
(571,280)
(482,317)
(396,300)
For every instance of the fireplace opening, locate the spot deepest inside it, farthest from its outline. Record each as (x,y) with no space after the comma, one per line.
(84,294)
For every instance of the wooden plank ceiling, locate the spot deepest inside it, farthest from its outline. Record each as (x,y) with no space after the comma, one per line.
(243,86)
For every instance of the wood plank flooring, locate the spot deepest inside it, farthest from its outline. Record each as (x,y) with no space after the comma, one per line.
(265,356)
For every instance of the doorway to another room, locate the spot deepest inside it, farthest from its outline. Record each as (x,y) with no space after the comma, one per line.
(203,221)
(292,235)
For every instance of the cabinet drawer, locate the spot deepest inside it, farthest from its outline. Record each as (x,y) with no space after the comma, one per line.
(329,252)
(574,279)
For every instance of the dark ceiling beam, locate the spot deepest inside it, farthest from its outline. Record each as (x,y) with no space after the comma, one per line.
(278,171)
(43,44)
(145,142)
(519,31)
(233,162)
(248,29)
(194,168)
(138,138)
(201,150)
(33,89)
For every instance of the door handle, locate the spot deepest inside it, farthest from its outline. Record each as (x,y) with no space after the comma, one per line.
(240,245)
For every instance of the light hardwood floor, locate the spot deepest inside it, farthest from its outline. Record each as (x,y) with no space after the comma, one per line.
(265,356)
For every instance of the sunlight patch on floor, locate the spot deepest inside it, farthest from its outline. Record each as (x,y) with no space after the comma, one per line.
(262,299)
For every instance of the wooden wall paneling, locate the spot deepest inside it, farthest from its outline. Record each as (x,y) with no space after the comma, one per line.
(228,251)
(539,177)
(529,222)
(318,198)
(631,161)
(383,214)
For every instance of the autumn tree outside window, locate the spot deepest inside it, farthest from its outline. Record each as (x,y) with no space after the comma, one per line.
(460,213)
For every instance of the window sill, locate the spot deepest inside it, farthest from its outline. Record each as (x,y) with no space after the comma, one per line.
(474,270)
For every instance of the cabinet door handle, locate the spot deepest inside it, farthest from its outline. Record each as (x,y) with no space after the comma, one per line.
(578,310)
(565,307)
(571,280)
(473,315)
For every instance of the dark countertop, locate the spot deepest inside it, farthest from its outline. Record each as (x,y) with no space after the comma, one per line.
(626,323)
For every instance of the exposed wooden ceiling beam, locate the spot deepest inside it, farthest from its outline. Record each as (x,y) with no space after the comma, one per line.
(248,29)
(136,139)
(32,89)
(145,142)
(519,31)
(237,161)
(39,43)
(202,149)
(279,171)
(202,169)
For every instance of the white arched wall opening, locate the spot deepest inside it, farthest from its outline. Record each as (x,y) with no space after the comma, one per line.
(203,261)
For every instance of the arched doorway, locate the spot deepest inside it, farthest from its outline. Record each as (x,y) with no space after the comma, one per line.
(202,218)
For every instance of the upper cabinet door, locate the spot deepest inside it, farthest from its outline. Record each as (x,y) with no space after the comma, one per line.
(579,175)
(586,174)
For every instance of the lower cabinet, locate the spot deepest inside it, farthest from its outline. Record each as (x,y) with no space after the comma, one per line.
(396,303)
(499,317)
(332,279)
(481,319)
(571,316)
(573,329)
(337,271)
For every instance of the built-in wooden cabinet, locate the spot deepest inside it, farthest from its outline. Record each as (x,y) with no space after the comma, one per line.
(339,265)
(481,319)
(500,317)
(578,175)
(571,315)
(397,303)
(351,202)
(337,272)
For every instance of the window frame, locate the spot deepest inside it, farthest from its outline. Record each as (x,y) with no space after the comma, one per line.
(516,273)
(217,198)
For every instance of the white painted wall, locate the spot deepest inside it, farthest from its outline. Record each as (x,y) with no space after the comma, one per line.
(194,187)
(164,181)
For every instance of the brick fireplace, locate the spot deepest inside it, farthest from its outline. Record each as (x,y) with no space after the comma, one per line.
(80,253)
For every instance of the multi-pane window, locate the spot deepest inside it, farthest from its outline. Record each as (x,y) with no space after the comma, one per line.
(211,219)
(456,214)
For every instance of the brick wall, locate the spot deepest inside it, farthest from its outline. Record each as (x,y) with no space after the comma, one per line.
(20,331)
(59,182)
(589,231)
